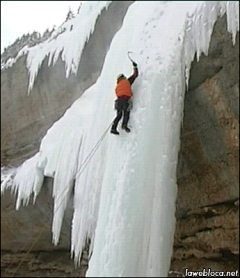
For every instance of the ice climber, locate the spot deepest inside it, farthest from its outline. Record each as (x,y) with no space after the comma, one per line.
(123,102)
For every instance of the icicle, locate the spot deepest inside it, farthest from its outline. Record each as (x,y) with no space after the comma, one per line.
(39,177)
(233,18)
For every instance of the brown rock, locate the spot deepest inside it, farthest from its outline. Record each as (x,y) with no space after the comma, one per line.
(207,230)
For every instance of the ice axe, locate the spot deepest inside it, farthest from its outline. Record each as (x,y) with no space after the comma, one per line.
(130,57)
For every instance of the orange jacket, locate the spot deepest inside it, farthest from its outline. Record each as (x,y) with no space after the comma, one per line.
(123,88)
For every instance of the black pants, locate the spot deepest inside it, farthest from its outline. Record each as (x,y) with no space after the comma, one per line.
(122,109)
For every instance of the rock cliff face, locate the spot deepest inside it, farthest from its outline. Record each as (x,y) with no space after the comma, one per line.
(25,118)
(207,207)
(207,232)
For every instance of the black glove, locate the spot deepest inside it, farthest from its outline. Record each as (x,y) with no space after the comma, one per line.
(134,64)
